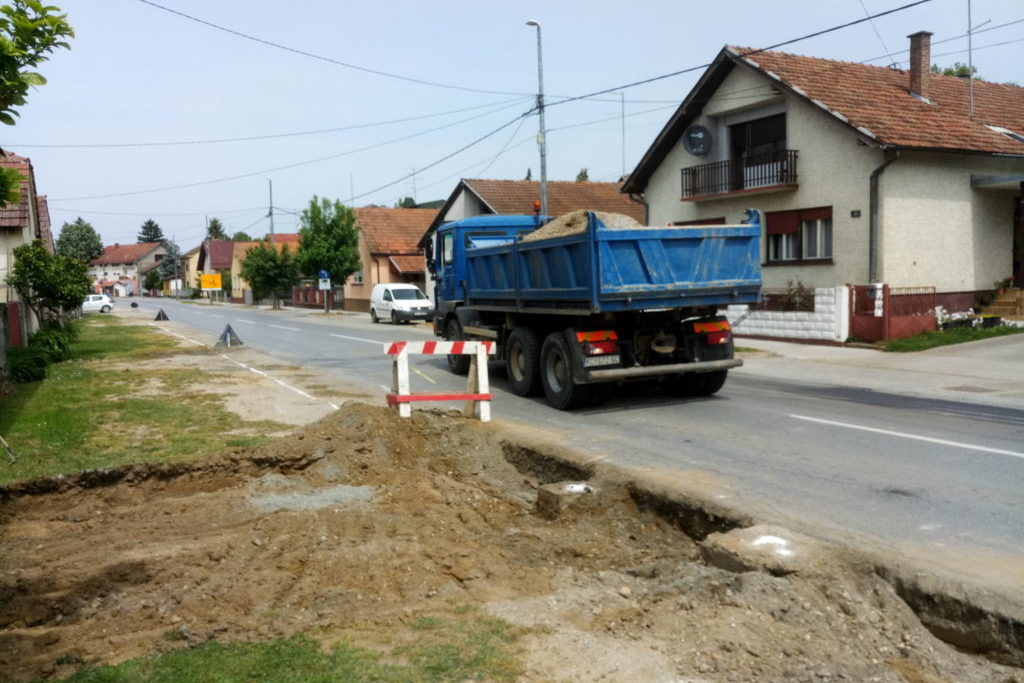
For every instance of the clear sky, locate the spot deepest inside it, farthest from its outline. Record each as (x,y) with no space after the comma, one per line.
(140,74)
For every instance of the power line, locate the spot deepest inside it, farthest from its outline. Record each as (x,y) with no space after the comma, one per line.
(151,214)
(329,60)
(807,36)
(248,138)
(281,168)
(444,158)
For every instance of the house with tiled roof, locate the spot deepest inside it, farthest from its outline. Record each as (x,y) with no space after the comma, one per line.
(480,197)
(864,174)
(119,270)
(388,251)
(21,222)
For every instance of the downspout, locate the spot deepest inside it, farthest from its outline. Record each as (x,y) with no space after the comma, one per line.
(873,217)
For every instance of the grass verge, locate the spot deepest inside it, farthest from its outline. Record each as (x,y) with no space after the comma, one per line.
(445,648)
(959,335)
(95,411)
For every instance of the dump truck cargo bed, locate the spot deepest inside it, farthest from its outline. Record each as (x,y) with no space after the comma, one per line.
(606,269)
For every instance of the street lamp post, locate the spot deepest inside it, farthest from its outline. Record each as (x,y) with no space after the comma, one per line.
(541,141)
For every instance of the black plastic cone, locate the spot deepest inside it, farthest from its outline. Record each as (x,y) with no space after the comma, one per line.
(161,315)
(228,338)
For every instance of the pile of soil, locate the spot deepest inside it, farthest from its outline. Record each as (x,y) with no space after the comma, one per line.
(364,518)
(575,222)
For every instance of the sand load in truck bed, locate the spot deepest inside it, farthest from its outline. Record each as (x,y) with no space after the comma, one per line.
(575,222)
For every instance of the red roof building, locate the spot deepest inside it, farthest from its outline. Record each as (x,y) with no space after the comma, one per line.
(862,173)
(387,250)
(119,270)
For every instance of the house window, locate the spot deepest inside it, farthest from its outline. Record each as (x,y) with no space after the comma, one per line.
(357,277)
(800,235)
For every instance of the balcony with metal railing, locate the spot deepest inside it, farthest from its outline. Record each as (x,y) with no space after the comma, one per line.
(758,173)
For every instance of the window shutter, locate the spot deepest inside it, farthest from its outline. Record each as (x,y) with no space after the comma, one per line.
(782,222)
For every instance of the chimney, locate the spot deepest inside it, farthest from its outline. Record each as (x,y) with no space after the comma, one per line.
(920,62)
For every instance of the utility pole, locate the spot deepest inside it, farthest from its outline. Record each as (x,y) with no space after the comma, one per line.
(541,141)
(270,212)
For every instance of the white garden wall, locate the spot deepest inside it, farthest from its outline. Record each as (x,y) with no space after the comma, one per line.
(830,321)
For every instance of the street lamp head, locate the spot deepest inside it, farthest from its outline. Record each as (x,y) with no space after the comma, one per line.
(532,22)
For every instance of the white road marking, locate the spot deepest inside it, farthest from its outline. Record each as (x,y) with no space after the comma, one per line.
(243,320)
(197,343)
(426,377)
(359,339)
(282,327)
(214,315)
(261,373)
(915,437)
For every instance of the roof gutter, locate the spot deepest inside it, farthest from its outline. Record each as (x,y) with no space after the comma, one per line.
(874,220)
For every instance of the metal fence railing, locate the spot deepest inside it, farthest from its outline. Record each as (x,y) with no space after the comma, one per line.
(761,170)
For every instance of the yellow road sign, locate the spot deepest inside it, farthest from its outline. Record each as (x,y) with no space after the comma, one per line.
(211,281)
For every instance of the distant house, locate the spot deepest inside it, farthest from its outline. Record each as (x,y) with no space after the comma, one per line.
(387,250)
(21,222)
(484,197)
(120,269)
(864,174)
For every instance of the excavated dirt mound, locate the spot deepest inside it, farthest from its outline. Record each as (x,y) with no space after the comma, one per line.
(576,222)
(367,519)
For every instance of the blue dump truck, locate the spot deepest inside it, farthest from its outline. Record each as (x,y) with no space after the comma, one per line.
(581,308)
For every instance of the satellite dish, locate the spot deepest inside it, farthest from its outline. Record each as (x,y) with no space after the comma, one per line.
(697,140)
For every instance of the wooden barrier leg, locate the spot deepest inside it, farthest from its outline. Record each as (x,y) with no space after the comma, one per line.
(483,387)
(401,374)
(472,386)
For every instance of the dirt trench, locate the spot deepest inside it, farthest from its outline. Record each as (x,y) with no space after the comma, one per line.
(364,519)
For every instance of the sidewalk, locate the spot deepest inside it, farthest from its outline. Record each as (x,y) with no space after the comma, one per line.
(989,372)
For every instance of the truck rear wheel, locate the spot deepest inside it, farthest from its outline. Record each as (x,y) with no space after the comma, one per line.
(524,362)
(457,364)
(713,381)
(556,374)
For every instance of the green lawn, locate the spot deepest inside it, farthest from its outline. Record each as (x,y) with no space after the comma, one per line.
(104,408)
(959,335)
(448,648)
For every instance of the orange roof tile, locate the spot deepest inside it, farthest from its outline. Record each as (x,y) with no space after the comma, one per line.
(124,253)
(518,196)
(393,231)
(407,264)
(45,229)
(877,100)
(16,215)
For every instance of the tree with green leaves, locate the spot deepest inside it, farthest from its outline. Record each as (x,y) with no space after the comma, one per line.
(79,240)
(150,232)
(152,280)
(958,69)
(170,264)
(215,230)
(242,237)
(328,239)
(406,203)
(582,176)
(49,284)
(29,32)
(269,272)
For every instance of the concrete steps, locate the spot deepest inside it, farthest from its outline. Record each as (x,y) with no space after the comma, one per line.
(1008,304)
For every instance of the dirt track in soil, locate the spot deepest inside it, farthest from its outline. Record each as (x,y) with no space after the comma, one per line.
(364,519)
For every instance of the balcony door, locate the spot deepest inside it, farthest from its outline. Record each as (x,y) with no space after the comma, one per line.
(758,150)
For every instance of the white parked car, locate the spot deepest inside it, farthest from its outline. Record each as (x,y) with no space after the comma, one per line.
(400,302)
(97,302)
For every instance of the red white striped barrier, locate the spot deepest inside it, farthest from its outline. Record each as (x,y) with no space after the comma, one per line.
(477,389)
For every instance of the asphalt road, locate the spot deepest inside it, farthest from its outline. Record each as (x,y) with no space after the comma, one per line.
(941,480)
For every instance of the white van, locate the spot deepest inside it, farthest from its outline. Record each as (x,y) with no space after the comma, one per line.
(399,302)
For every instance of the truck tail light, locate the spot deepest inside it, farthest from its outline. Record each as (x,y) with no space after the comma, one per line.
(598,342)
(718,338)
(600,348)
(717,331)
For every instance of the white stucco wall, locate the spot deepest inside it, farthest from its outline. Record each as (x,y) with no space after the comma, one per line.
(938,230)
